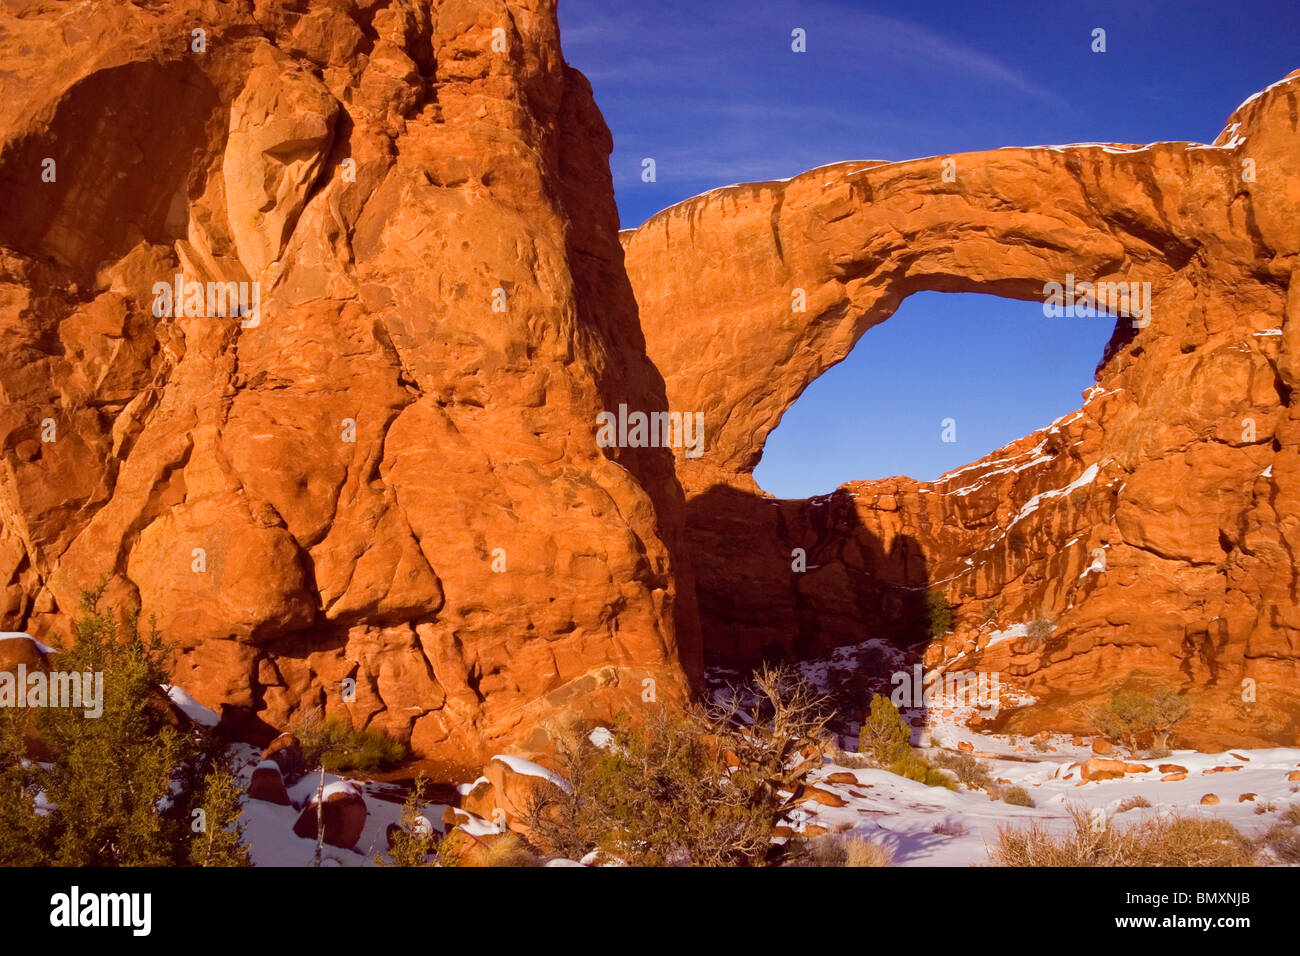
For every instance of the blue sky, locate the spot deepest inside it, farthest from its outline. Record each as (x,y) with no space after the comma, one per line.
(713,92)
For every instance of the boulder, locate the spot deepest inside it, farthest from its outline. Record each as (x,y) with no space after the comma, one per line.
(842,776)
(343,815)
(20,648)
(1210,799)
(1169,777)
(1171,768)
(1097,768)
(267,784)
(817,795)
(514,784)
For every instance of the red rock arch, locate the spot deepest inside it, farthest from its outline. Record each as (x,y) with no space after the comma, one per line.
(1193,511)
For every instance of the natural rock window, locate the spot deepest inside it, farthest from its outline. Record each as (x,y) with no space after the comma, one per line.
(947,379)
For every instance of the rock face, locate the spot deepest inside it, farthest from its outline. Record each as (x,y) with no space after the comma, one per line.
(379,473)
(310,310)
(1155,528)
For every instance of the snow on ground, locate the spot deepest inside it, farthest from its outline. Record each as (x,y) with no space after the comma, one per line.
(923,826)
(932,826)
(268,827)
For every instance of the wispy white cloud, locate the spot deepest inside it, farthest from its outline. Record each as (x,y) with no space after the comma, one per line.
(906,41)
(676,41)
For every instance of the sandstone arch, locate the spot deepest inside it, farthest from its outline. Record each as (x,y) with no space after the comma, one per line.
(1195,514)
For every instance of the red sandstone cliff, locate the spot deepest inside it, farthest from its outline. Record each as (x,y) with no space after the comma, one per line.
(391,476)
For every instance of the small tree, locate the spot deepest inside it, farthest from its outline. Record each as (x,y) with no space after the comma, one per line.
(219,842)
(1126,715)
(111,779)
(938,614)
(1168,709)
(414,839)
(703,787)
(1132,713)
(885,736)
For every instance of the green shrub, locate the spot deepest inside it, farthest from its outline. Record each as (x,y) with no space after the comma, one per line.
(111,778)
(938,614)
(119,789)
(1131,713)
(23,831)
(413,841)
(699,787)
(337,747)
(220,841)
(914,767)
(884,735)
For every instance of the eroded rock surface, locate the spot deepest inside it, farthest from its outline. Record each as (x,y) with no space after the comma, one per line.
(385,474)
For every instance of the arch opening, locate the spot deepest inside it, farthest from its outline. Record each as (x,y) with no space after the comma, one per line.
(949,378)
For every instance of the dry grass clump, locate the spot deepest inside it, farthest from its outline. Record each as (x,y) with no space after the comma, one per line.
(510,849)
(859,851)
(850,850)
(1282,839)
(1161,841)
(1138,802)
(1016,796)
